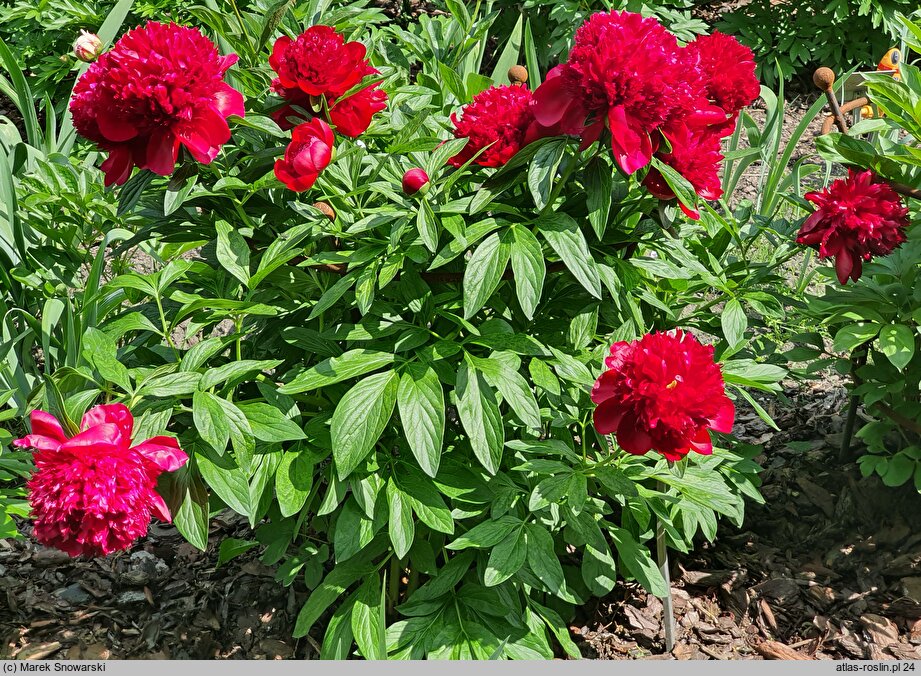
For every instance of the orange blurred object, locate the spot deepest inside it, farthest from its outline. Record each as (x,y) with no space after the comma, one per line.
(891,60)
(866,113)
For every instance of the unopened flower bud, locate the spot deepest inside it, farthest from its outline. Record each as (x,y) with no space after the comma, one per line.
(88,47)
(325,209)
(517,75)
(415,180)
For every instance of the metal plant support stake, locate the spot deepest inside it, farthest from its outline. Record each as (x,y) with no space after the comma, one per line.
(668,607)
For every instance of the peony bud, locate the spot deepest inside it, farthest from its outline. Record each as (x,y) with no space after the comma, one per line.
(88,47)
(517,75)
(415,180)
(325,209)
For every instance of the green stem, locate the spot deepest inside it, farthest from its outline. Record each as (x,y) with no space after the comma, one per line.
(567,172)
(165,327)
(243,31)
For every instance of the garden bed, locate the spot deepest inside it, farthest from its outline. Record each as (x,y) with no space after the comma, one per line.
(850,589)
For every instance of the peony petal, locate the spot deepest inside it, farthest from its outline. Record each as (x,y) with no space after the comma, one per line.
(603,388)
(632,438)
(162,151)
(607,416)
(118,165)
(164,452)
(702,442)
(312,158)
(38,442)
(725,418)
(551,101)
(159,509)
(46,425)
(117,414)
(113,126)
(228,101)
(844,265)
(204,134)
(106,436)
(632,150)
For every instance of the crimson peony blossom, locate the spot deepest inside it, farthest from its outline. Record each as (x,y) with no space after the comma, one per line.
(310,151)
(320,65)
(856,219)
(729,67)
(160,86)
(695,154)
(415,180)
(498,119)
(318,62)
(624,72)
(93,494)
(662,392)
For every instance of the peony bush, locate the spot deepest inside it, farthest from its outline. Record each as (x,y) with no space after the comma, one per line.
(449,345)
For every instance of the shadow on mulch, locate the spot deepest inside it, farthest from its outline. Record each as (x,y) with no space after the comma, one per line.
(829,567)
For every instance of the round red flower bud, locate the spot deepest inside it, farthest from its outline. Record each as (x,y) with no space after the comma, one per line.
(662,392)
(497,120)
(159,87)
(87,47)
(856,218)
(94,494)
(309,153)
(415,180)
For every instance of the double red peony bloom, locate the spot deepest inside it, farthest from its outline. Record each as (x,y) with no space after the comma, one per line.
(662,392)
(499,119)
(627,75)
(159,87)
(857,218)
(315,71)
(94,494)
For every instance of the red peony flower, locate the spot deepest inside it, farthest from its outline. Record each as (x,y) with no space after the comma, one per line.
(624,71)
(318,62)
(729,67)
(159,86)
(856,219)
(663,392)
(415,180)
(498,119)
(695,154)
(94,494)
(352,115)
(310,150)
(321,64)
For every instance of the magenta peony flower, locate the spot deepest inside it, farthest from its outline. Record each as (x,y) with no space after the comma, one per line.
(160,86)
(94,494)
(662,392)
(856,219)
(310,151)
(498,119)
